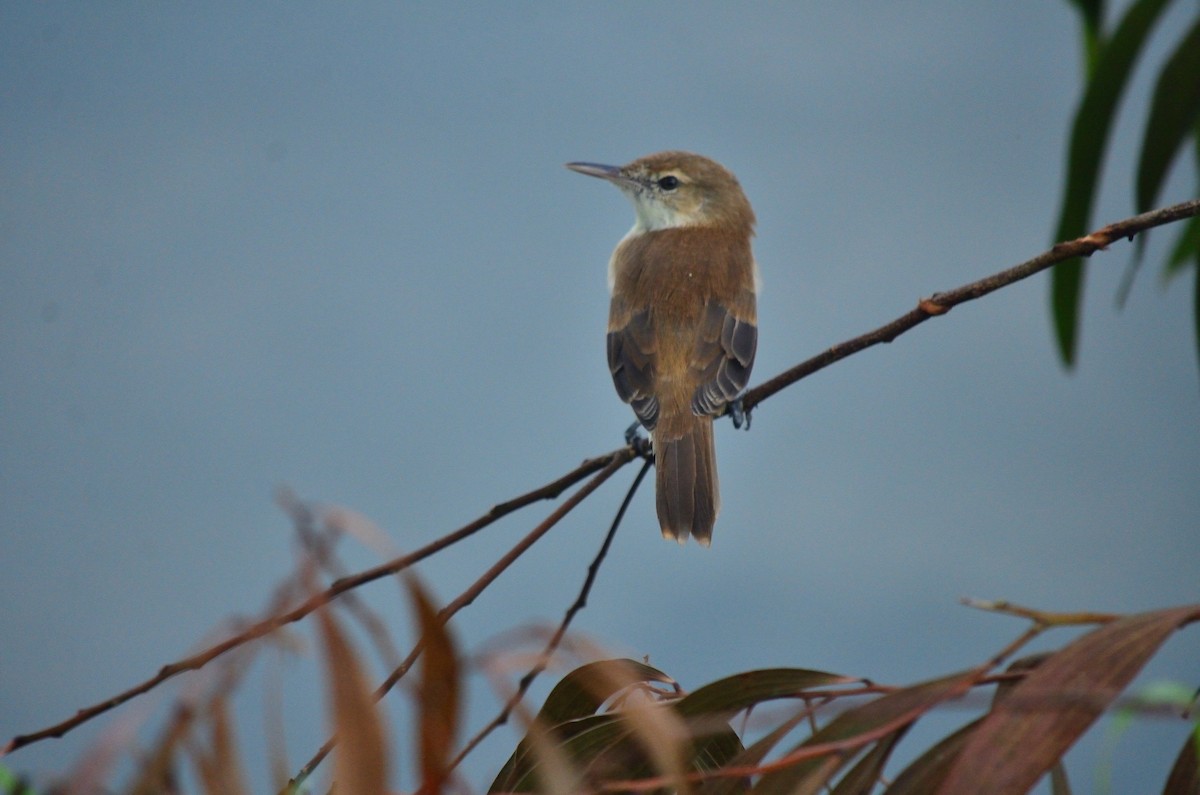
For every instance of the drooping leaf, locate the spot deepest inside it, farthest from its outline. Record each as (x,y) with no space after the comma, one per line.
(568,720)
(1170,696)
(611,746)
(157,771)
(863,777)
(220,771)
(1027,732)
(714,747)
(752,757)
(1185,773)
(1196,307)
(1059,785)
(575,741)
(708,709)
(1186,250)
(894,710)
(360,764)
(1089,138)
(585,689)
(926,772)
(596,743)
(437,694)
(543,758)
(741,691)
(1173,114)
(662,738)
(1092,12)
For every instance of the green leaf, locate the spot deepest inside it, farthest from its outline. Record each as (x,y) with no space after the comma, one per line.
(1092,12)
(591,735)
(11,783)
(752,757)
(584,690)
(715,748)
(1173,114)
(1187,245)
(1174,110)
(709,707)
(1170,696)
(1089,138)
(734,693)
(1196,308)
(608,745)
(1186,250)
(570,711)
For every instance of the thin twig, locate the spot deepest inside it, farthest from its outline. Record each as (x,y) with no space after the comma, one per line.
(320,544)
(336,589)
(941,303)
(1040,617)
(552,645)
(967,681)
(804,752)
(619,460)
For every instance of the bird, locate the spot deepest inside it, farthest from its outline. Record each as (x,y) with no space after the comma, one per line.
(682,322)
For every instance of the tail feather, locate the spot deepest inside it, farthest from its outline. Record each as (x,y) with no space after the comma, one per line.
(686,483)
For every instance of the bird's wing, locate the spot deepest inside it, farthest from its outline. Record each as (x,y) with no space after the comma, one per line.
(632,351)
(724,353)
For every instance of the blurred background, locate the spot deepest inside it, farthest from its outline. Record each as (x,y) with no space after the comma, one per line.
(334,249)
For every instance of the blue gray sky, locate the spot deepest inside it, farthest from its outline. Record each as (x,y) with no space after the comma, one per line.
(333,248)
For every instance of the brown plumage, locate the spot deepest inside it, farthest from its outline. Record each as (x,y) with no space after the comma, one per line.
(682,327)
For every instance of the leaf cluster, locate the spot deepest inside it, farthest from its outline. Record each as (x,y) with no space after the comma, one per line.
(1041,705)
(1172,126)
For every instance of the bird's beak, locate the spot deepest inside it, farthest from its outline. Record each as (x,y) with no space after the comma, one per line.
(610,173)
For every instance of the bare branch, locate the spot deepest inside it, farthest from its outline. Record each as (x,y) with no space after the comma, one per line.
(941,303)
(469,595)
(1038,617)
(937,304)
(552,645)
(616,458)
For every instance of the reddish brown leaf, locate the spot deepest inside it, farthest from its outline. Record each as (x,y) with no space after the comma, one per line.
(1059,785)
(360,764)
(220,771)
(810,765)
(437,692)
(1033,726)
(1185,774)
(861,780)
(925,773)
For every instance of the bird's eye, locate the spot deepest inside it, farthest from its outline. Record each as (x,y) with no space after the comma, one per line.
(668,183)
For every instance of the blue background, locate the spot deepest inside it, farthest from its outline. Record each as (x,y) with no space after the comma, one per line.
(333,248)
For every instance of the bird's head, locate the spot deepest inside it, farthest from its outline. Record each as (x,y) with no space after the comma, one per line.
(677,189)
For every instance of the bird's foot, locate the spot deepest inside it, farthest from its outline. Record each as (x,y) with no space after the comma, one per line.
(635,439)
(739,414)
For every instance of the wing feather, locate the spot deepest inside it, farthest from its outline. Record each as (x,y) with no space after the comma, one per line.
(631,358)
(723,358)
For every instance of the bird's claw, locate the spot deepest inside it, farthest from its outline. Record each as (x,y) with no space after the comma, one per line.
(739,415)
(636,440)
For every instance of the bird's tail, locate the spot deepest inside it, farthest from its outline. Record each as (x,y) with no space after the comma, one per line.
(686,482)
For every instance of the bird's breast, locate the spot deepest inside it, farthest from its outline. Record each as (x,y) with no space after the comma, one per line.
(677,272)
